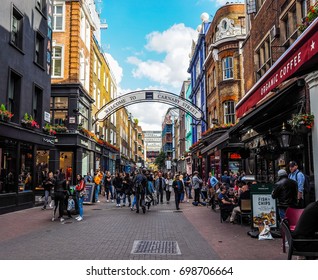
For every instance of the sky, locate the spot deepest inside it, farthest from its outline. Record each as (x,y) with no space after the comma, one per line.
(148,43)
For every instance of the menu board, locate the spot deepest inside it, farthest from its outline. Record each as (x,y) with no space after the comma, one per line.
(263,206)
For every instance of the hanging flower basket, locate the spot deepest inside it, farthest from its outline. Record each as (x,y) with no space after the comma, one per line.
(301,123)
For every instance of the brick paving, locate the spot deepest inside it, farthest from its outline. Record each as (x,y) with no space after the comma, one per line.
(108,232)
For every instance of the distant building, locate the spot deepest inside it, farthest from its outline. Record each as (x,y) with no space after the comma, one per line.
(153,144)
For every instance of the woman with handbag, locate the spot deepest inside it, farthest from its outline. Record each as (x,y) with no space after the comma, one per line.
(80,192)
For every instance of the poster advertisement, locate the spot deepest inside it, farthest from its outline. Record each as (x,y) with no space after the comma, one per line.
(264,210)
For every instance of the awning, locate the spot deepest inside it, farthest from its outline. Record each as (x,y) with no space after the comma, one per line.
(294,59)
(224,137)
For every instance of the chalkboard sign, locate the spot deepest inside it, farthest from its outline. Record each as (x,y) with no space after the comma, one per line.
(89,190)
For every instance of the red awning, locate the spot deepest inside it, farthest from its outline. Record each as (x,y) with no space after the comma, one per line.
(298,55)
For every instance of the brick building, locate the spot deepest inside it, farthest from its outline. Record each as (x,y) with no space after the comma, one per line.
(224,80)
(280,59)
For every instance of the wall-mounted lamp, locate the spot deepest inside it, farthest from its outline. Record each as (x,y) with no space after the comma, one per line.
(284,137)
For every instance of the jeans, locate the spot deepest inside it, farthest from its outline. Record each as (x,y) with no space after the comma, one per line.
(119,196)
(168,194)
(140,200)
(281,212)
(59,202)
(134,202)
(109,190)
(197,195)
(189,190)
(160,193)
(177,197)
(46,198)
(97,189)
(80,205)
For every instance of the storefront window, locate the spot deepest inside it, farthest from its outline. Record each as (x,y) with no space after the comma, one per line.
(66,166)
(85,163)
(26,160)
(42,163)
(59,110)
(8,158)
(83,115)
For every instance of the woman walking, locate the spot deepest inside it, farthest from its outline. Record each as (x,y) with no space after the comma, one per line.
(80,188)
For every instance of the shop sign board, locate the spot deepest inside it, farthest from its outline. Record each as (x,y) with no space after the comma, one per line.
(263,206)
(89,190)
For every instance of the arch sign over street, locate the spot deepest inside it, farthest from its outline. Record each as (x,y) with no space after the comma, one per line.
(149,96)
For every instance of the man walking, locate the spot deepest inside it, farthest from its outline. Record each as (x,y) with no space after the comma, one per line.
(196,184)
(160,185)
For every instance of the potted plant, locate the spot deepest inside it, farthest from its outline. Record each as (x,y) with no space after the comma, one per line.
(301,122)
(5,115)
(312,14)
(49,129)
(29,122)
(60,128)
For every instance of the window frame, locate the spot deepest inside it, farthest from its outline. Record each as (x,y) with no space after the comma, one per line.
(229,117)
(18,42)
(54,15)
(225,69)
(54,59)
(39,59)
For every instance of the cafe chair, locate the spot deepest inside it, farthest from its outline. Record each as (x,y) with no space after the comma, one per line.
(246,210)
(293,243)
(292,216)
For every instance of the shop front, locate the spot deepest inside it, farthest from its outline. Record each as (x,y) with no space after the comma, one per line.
(285,93)
(24,154)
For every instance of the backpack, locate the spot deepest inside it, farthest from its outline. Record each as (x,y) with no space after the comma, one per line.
(306,182)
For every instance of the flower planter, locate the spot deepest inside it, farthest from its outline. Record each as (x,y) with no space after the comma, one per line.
(27,125)
(4,118)
(302,130)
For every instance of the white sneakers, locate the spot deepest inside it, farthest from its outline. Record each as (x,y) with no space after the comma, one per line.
(62,220)
(79,218)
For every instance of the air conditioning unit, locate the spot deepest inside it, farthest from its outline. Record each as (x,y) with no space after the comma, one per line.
(274,33)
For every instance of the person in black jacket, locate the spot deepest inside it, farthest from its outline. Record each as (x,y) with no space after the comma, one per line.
(59,195)
(285,191)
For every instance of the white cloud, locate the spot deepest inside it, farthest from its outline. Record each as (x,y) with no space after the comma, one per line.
(115,68)
(175,43)
(223,2)
(149,114)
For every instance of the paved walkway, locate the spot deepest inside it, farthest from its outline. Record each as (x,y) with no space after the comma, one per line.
(108,232)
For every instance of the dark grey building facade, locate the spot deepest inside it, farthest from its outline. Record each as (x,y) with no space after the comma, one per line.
(25,58)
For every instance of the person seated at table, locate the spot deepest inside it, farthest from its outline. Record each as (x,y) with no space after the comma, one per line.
(244,193)
(307,228)
(226,204)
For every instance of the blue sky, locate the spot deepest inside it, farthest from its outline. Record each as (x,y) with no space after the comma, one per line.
(148,44)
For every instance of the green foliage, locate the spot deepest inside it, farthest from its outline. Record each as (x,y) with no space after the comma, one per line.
(161,160)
